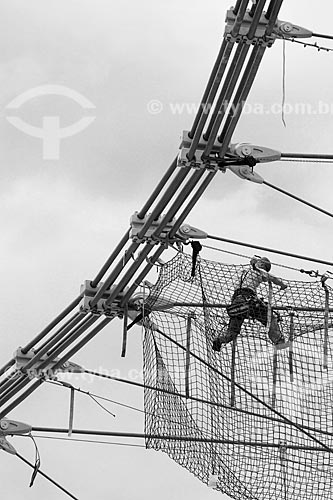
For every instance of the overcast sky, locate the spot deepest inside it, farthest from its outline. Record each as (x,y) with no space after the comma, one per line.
(61,218)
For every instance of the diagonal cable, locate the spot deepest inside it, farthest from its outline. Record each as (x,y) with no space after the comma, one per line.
(301,200)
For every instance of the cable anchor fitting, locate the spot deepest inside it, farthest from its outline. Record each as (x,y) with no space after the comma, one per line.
(189,232)
(285,29)
(240,158)
(11,428)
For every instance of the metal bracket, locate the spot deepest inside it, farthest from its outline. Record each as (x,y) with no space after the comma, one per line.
(198,162)
(190,232)
(137,224)
(259,35)
(260,153)
(285,29)
(5,446)
(89,293)
(100,308)
(233,160)
(246,172)
(21,359)
(11,428)
(282,29)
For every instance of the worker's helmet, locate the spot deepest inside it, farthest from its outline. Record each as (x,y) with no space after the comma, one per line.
(261,262)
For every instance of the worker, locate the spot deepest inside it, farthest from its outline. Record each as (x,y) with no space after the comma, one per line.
(245,303)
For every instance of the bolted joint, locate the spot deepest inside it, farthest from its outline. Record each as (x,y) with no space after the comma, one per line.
(137,224)
(13,428)
(235,154)
(212,162)
(102,306)
(246,172)
(289,30)
(260,153)
(243,35)
(89,293)
(197,162)
(189,232)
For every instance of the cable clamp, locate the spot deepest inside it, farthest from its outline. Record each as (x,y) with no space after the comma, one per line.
(11,428)
(101,307)
(198,162)
(21,360)
(242,36)
(237,155)
(261,154)
(137,224)
(89,293)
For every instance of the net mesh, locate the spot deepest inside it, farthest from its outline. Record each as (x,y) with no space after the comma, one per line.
(253,421)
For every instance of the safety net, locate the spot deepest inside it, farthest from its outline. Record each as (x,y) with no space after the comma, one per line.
(253,421)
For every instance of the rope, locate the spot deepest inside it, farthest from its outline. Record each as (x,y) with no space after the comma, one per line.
(196,247)
(298,199)
(37,462)
(283,82)
(125,331)
(71,411)
(269,307)
(326,321)
(93,396)
(87,393)
(101,406)
(283,457)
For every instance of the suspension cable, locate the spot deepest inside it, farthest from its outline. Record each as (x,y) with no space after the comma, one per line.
(297,199)
(320,35)
(271,250)
(312,273)
(307,156)
(46,476)
(198,400)
(162,437)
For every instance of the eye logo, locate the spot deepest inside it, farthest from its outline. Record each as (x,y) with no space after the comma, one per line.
(51,133)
